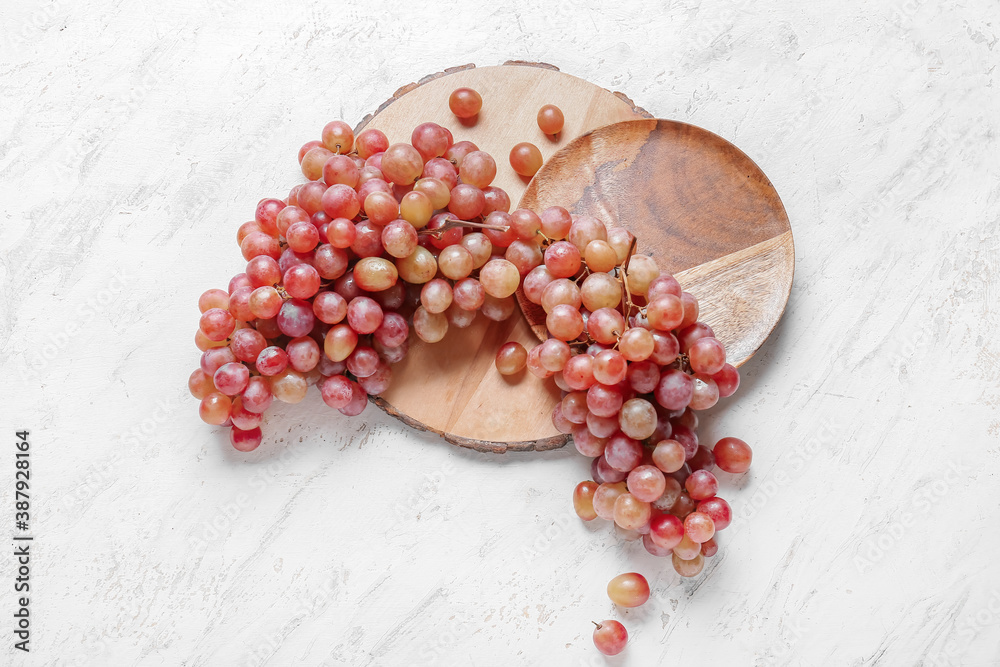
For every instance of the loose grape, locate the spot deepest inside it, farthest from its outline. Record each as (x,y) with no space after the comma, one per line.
(550,119)
(465,102)
(511,358)
(629,590)
(610,637)
(525,159)
(733,455)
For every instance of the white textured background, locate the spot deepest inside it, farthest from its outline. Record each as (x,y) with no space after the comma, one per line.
(136,136)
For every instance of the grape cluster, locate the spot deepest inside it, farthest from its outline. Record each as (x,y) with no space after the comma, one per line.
(635,365)
(380,239)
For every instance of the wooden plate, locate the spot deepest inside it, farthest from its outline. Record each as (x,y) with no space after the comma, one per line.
(697,204)
(452,387)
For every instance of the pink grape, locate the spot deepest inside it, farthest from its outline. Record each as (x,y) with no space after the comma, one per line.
(732,455)
(610,637)
(272,361)
(245,441)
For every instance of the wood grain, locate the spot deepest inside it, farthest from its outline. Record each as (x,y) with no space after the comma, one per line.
(697,204)
(451,387)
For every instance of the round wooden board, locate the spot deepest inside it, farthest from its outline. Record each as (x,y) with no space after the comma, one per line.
(452,387)
(697,204)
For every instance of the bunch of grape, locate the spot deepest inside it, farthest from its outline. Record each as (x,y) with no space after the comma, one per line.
(381,238)
(635,365)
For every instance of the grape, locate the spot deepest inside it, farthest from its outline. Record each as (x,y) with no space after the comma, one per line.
(337,391)
(214,408)
(302,281)
(374,274)
(377,382)
(313,161)
(535,282)
(498,310)
(399,238)
(338,137)
(600,256)
(683,506)
(687,548)
(363,361)
(381,208)
(562,424)
(574,405)
(303,354)
(402,164)
(296,318)
(623,453)
(268,327)
(610,367)
(717,510)
(442,169)
(339,342)
(585,229)
(200,384)
(663,285)
(457,263)
(630,512)
(600,290)
(641,272)
(556,223)
(501,233)
(501,278)
(417,268)
(704,394)
(442,236)
(310,197)
(699,527)
(213,298)
(369,142)
(217,324)
(709,548)
(525,159)
(605,325)
(553,355)
(707,356)
(732,455)
(465,102)
(668,455)
(563,322)
(665,348)
(359,401)
(550,119)
(416,208)
(429,327)
(245,441)
(364,315)
(247,344)
(341,201)
(727,380)
(560,291)
(524,255)
(212,360)
(256,244)
(306,147)
(393,331)
(431,140)
(460,318)
(583,500)
(436,296)
(629,590)
(329,307)
(605,474)
(701,485)
(469,294)
(511,358)
(610,637)
(579,372)
(467,201)
(646,483)
(653,548)
(606,496)
(690,310)
(330,262)
(478,169)
(242,418)
(341,170)
(604,401)
(271,361)
(665,312)
(302,236)
(666,530)
(703,459)
(497,200)
(586,442)
(263,271)
(675,389)
(691,567)
(562,259)
(289,386)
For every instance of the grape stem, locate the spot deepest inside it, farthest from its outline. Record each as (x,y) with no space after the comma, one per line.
(623,279)
(451,223)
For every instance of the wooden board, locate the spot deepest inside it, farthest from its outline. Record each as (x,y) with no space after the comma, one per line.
(452,387)
(697,204)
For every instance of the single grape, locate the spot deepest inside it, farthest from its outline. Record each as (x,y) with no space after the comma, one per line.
(550,119)
(289,386)
(338,137)
(718,510)
(257,396)
(646,483)
(214,408)
(666,530)
(465,102)
(699,527)
(511,358)
(402,164)
(478,169)
(200,384)
(303,354)
(606,496)
(563,322)
(429,327)
(436,296)
(691,567)
(217,324)
(369,142)
(242,418)
(610,637)
(245,440)
(727,380)
(732,455)
(629,590)
(525,159)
